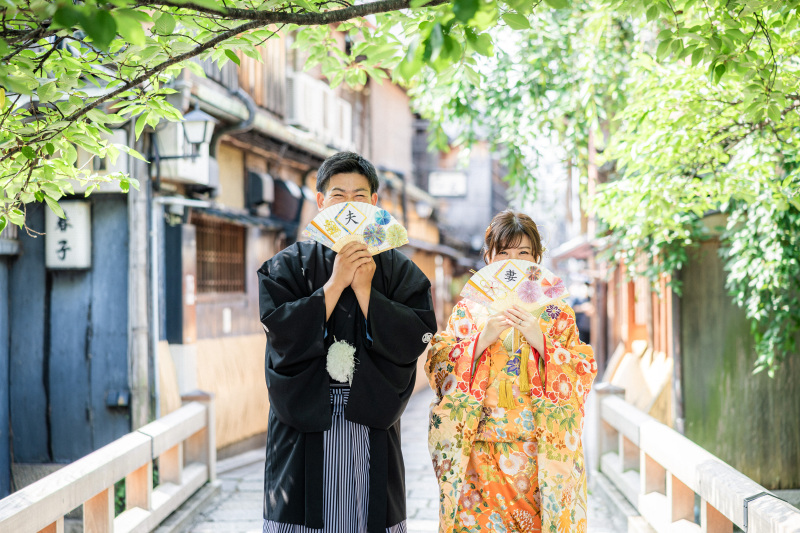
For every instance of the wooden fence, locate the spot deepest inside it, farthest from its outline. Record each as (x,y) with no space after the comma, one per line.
(665,475)
(182,441)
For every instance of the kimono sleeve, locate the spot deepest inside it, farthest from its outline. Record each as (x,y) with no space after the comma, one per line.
(401,319)
(400,324)
(294,319)
(452,353)
(570,364)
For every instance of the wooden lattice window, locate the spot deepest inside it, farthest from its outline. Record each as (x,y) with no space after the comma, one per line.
(220,255)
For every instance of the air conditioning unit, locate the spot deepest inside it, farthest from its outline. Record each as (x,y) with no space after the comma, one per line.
(195,171)
(305,103)
(343,138)
(332,116)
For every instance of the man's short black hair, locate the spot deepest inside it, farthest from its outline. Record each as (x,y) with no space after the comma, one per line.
(345,163)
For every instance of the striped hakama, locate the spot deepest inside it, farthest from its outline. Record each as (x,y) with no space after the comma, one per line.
(345,477)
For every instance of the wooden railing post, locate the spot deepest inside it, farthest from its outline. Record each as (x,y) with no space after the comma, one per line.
(170,465)
(652,475)
(55,527)
(628,453)
(202,446)
(712,521)
(606,434)
(139,487)
(98,512)
(680,499)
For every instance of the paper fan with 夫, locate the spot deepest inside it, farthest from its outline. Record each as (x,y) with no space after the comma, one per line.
(503,284)
(343,223)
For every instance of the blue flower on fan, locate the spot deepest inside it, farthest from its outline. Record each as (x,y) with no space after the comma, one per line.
(374,235)
(383,217)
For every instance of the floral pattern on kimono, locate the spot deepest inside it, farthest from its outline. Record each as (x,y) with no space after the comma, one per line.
(519,466)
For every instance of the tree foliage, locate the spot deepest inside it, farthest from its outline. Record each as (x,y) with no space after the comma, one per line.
(693,102)
(70,71)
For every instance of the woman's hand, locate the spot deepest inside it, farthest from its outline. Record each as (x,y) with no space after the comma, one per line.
(527,325)
(496,325)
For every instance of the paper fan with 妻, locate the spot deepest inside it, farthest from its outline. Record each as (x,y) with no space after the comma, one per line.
(503,284)
(344,223)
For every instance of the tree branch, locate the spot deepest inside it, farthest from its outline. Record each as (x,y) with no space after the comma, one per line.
(142,78)
(302,18)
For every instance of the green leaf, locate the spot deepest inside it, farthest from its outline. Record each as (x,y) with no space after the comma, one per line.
(28,152)
(697,55)
(50,148)
(558,4)
(233,57)
(663,49)
(131,152)
(15,216)
(47,91)
(101,27)
(165,24)
(480,42)
(435,41)
(140,123)
(719,71)
(54,207)
(464,10)
(130,27)
(652,12)
(66,16)
(774,114)
(516,21)
(3,223)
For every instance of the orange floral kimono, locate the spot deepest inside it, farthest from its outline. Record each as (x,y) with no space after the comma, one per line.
(506,443)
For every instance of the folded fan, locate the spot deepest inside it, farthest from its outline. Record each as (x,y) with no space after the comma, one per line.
(343,223)
(503,284)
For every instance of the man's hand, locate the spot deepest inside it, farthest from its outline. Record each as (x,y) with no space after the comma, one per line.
(362,284)
(347,262)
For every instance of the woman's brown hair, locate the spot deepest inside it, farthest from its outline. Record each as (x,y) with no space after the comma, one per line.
(506,231)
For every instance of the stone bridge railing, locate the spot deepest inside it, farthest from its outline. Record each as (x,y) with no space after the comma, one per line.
(662,473)
(183,443)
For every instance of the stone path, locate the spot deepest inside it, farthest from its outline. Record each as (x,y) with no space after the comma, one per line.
(238,507)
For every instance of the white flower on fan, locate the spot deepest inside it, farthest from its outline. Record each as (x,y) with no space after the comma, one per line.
(341,362)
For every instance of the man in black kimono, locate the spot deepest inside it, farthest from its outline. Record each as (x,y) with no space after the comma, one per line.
(334,462)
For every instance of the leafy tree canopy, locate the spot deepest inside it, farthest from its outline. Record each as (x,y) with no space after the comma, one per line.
(69,71)
(694,103)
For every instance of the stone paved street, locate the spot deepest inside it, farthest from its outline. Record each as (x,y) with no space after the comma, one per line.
(238,507)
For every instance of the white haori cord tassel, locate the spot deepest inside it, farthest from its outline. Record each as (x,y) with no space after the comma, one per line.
(341,361)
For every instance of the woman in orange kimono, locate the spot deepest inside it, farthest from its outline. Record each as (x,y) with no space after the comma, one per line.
(505,431)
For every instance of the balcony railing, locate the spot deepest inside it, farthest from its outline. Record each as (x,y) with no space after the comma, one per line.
(661,473)
(183,442)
